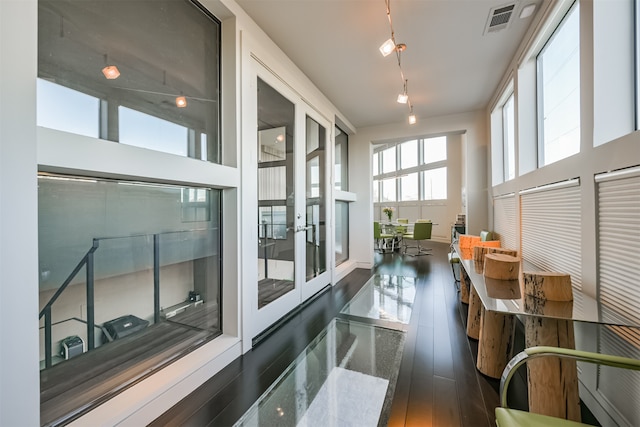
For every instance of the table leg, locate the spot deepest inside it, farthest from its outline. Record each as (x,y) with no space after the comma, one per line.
(495,343)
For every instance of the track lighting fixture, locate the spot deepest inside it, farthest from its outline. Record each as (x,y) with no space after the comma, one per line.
(386,49)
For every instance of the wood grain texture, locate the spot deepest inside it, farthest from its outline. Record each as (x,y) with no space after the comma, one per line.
(474,315)
(495,344)
(501,266)
(465,283)
(548,285)
(552,382)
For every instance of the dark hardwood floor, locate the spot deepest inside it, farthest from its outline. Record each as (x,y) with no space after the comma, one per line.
(438,384)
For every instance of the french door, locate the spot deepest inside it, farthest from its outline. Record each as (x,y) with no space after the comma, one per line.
(292,202)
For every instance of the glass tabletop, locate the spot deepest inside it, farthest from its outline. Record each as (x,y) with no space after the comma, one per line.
(506,296)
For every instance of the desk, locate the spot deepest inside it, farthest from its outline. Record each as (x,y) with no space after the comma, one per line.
(553,388)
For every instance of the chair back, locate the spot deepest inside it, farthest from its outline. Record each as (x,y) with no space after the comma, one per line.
(423,220)
(422,230)
(376,230)
(485,236)
(403,221)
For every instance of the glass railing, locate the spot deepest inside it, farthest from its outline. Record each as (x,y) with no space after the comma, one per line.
(126,285)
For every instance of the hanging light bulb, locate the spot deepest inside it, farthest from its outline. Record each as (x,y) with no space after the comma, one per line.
(111,72)
(387,47)
(181,102)
(412,117)
(403,97)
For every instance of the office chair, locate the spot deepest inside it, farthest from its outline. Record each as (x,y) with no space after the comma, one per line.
(421,231)
(507,417)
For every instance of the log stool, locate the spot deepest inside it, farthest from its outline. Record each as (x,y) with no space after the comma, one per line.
(465,283)
(553,382)
(495,341)
(474,314)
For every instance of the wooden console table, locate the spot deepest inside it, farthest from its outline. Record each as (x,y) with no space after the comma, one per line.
(495,306)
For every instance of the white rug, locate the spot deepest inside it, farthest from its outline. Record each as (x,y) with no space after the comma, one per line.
(347,398)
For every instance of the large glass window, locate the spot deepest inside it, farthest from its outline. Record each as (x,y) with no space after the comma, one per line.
(508,138)
(122,71)
(389,160)
(388,190)
(409,154)
(435,149)
(435,184)
(120,264)
(559,91)
(409,187)
(410,171)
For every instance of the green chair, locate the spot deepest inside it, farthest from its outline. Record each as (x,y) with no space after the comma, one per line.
(403,221)
(380,237)
(421,231)
(506,417)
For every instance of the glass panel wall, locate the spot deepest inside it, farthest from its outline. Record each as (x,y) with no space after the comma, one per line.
(149,253)
(98,76)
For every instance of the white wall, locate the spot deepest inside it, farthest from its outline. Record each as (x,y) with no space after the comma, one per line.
(472,173)
(19,372)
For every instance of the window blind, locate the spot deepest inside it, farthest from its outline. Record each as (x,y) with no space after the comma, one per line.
(504,220)
(551,228)
(618,224)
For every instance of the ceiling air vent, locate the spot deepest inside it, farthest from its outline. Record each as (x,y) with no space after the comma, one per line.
(499,18)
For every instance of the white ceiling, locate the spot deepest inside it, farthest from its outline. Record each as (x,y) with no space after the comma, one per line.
(451,65)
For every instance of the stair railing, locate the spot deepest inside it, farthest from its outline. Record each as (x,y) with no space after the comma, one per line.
(87,260)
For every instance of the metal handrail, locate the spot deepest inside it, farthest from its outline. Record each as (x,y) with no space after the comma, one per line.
(87,260)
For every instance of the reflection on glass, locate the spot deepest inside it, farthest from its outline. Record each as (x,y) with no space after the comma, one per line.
(146,131)
(75,44)
(66,109)
(275,194)
(346,376)
(384,297)
(342,160)
(146,261)
(342,232)
(315,199)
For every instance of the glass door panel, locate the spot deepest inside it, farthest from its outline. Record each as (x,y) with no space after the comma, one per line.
(276,185)
(315,200)
(315,211)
